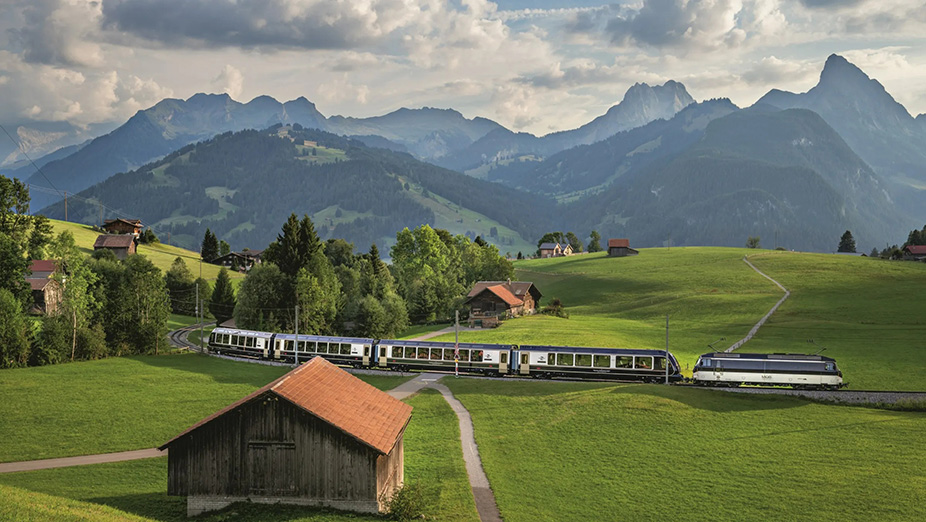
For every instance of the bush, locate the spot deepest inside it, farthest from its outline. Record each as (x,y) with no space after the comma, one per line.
(407,503)
(556,308)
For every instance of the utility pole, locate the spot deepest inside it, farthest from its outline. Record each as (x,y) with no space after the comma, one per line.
(296,348)
(202,311)
(65,205)
(667,348)
(197,317)
(101,213)
(456,344)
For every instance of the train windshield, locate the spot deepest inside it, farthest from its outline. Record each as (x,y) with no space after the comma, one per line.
(704,362)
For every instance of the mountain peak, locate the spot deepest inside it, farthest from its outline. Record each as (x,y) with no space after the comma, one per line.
(838,69)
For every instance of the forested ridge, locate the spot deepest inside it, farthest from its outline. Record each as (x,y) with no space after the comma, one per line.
(242,185)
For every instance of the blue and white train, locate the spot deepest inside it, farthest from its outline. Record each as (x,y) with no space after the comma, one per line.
(771,369)
(477,358)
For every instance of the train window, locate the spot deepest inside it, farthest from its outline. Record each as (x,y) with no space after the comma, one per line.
(476,356)
(564,359)
(234,340)
(366,351)
(645,363)
(250,342)
(551,359)
(289,346)
(436,354)
(423,353)
(583,359)
(211,338)
(602,361)
(830,367)
(345,349)
(504,358)
(623,362)
(322,347)
(448,354)
(660,363)
(464,355)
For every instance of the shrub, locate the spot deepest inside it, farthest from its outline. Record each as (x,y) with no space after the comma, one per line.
(406,503)
(556,308)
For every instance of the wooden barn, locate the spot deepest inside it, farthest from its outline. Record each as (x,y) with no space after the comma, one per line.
(123,226)
(620,248)
(317,436)
(123,245)
(47,293)
(490,301)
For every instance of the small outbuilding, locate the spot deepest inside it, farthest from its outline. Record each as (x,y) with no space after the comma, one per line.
(555,250)
(123,245)
(123,226)
(491,301)
(47,293)
(241,261)
(317,436)
(914,252)
(620,248)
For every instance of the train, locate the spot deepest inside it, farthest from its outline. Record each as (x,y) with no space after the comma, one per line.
(537,361)
(471,358)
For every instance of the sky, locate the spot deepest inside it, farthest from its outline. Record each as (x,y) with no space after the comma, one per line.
(535,66)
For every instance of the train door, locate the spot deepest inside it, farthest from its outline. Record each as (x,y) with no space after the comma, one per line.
(525,364)
(503,363)
(366,355)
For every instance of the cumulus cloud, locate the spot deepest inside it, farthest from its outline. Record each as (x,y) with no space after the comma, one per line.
(680,23)
(775,71)
(342,89)
(57,32)
(229,81)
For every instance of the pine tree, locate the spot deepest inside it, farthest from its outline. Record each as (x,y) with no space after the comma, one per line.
(222,306)
(210,247)
(846,243)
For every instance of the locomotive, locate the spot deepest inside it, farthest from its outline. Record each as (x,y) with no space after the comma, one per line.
(772,369)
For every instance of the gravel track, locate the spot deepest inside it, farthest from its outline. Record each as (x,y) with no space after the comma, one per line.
(840,396)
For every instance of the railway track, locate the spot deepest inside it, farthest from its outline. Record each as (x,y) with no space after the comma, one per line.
(178,338)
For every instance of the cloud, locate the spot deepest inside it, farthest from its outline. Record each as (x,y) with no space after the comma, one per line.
(342,89)
(774,71)
(229,81)
(56,32)
(269,24)
(680,23)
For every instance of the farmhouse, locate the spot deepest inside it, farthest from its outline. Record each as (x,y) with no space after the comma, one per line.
(242,261)
(123,245)
(491,301)
(46,291)
(316,436)
(620,248)
(914,252)
(123,226)
(555,250)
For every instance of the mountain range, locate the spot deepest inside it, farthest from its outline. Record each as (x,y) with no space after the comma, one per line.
(658,165)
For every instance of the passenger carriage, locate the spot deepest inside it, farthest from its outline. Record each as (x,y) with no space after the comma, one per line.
(595,363)
(488,359)
(352,351)
(239,342)
(776,369)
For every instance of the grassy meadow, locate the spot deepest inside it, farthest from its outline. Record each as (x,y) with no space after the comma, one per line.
(122,403)
(586,451)
(162,254)
(862,310)
(137,490)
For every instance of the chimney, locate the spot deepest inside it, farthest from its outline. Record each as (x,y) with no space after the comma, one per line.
(509,281)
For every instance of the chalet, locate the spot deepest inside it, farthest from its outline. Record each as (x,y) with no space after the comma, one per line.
(620,248)
(914,252)
(491,301)
(123,226)
(241,261)
(46,290)
(555,250)
(123,245)
(317,436)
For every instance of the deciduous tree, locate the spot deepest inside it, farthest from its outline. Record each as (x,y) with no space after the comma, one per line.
(594,241)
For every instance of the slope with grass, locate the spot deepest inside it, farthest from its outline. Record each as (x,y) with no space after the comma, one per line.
(123,403)
(137,490)
(160,254)
(584,451)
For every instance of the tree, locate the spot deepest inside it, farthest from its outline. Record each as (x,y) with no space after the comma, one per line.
(181,288)
(15,220)
(224,248)
(144,294)
(41,236)
(594,243)
(752,242)
(317,293)
(294,247)
(148,237)
(15,334)
(260,302)
(210,247)
(13,269)
(79,302)
(874,253)
(574,242)
(222,305)
(846,243)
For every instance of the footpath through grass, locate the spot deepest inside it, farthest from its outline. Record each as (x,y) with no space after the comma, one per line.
(122,403)
(137,490)
(584,451)
(869,314)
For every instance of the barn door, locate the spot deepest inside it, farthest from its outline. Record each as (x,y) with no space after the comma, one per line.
(271,468)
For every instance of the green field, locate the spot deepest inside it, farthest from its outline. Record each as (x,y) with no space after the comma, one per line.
(138,489)
(862,310)
(123,403)
(162,255)
(583,451)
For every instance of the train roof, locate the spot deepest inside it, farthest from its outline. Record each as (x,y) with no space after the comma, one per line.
(773,356)
(247,333)
(585,349)
(441,344)
(324,338)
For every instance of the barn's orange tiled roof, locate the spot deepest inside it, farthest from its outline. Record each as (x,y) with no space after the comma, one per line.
(916,249)
(322,389)
(43,265)
(505,295)
(618,243)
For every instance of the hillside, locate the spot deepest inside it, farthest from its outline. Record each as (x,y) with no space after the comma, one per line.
(858,308)
(243,186)
(162,255)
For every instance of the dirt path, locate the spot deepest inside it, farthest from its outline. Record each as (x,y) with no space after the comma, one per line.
(32,465)
(758,325)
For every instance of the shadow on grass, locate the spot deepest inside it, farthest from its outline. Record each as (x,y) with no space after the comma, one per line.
(159,506)
(220,370)
(715,400)
(156,506)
